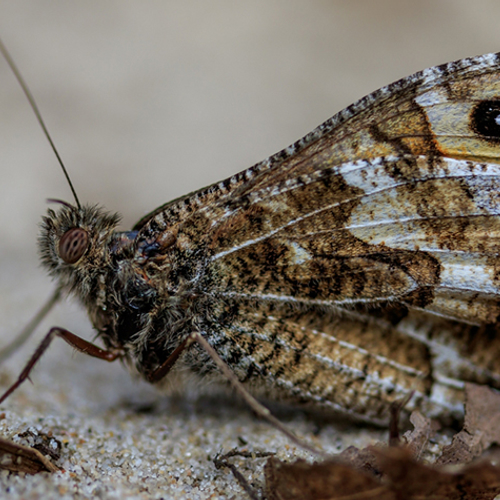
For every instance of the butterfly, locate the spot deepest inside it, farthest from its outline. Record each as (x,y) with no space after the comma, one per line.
(354,268)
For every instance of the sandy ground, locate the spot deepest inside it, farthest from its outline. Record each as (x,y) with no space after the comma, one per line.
(147,101)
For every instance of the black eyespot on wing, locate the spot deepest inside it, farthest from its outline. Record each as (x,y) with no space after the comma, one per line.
(73,245)
(485,120)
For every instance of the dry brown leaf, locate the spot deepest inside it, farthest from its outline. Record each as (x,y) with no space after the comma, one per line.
(481,426)
(402,478)
(329,480)
(381,472)
(414,480)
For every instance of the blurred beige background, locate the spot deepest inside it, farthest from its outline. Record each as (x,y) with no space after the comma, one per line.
(150,100)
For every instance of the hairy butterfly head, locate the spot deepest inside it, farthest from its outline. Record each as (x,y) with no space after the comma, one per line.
(72,242)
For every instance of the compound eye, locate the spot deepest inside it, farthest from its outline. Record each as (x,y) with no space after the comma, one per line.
(73,245)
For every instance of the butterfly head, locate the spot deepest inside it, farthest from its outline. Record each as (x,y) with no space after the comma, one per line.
(72,241)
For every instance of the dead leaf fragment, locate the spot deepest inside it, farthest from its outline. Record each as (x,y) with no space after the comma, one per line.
(424,429)
(415,480)
(402,478)
(481,426)
(324,481)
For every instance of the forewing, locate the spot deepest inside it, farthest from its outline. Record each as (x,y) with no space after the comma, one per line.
(394,200)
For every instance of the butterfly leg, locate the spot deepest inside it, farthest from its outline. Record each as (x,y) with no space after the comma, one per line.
(254,404)
(74,341)
(257,407)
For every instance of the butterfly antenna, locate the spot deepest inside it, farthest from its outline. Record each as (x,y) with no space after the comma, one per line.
(33,105)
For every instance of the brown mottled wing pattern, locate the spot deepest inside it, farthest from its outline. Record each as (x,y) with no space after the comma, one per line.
(339,255)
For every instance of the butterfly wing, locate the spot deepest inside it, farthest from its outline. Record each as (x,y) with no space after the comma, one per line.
(390,200)
(390,207)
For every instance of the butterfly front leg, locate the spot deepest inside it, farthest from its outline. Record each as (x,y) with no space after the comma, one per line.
(73,340)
